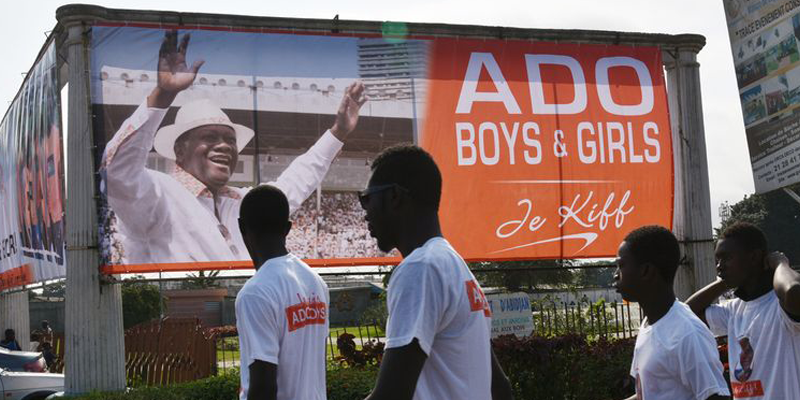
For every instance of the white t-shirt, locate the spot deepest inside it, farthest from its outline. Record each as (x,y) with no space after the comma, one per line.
(282,318)
(677,359)
(434,297)
(769,366)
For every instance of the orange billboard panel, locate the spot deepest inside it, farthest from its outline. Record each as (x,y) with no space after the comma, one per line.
(548,150)
(16,277)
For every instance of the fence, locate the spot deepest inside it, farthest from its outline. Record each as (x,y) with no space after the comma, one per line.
(177,350)
(227,343)
(167,351)
(614,320)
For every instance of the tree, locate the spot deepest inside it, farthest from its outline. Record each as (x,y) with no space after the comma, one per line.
(752,209)
(201,280)
(777,214)
(602,277)
(57,289)
(141,302)
(525,280)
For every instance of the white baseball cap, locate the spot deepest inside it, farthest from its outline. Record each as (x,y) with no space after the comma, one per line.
(192,115)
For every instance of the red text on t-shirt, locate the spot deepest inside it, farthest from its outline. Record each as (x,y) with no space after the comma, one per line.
(306,313)
(747,389)
(477,300)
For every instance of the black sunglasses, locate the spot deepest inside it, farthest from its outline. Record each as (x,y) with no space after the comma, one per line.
(363,196)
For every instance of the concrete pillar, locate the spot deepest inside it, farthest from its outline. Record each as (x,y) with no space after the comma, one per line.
(14,314)
(692,217)
(95,347)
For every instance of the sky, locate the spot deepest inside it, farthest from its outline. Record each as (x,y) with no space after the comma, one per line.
(24,26)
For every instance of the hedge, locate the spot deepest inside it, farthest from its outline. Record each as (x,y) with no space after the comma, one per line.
(569,367)
(221,387)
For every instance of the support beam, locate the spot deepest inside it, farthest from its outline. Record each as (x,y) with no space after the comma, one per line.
(692,217)
(15,314)
(95,347)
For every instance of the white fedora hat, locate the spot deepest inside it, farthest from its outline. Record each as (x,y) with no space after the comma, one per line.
(192,115)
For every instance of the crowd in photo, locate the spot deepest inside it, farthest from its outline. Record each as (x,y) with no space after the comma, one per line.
(336,230)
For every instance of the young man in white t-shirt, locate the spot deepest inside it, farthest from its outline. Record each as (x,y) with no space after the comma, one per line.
(438,333)
(763,323)
(282,311)
(676,356)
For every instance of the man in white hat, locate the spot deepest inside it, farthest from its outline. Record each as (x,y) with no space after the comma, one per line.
(190,215)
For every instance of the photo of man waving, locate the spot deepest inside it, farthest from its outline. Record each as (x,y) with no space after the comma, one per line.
(190,214)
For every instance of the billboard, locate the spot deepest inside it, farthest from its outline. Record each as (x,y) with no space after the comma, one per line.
(511,314)
(547,150)
(764,41)
(32,240)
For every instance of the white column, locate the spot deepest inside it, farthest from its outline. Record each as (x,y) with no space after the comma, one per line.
(692,217)
(14,314)
(95,347)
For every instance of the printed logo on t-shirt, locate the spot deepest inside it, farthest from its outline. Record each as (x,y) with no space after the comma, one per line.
(747,389)
(744,371)
(309,311)
(477,300)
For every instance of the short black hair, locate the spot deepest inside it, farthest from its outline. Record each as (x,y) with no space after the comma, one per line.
(747,235)
(265,209)
(658,246)
(412,168)
(9,332)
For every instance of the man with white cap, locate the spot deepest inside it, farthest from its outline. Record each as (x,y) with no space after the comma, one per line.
(190,215)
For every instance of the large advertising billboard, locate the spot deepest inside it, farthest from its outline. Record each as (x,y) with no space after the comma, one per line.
(765,36)
(31,180)
(547,150)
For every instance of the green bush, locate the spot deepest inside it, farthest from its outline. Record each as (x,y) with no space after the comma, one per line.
(223,387)
(351,383)
(568,367)
(343,384)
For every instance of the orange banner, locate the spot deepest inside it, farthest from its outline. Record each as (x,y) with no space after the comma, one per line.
(16,277)
(548,150)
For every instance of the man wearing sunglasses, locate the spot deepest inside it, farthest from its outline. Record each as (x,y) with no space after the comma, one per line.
(438,332)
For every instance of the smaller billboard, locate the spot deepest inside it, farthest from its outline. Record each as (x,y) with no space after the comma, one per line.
(511,314)
(32,244)
(765,42)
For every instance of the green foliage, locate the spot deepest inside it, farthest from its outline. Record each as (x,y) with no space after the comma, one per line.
(343,384)
(223,387)
(751,209)
(56,289)
(568,367)
(777,214)
(590,319)
(141,302)
(350,383)
(377,312)
(515,281)
(201,280)
(596,277)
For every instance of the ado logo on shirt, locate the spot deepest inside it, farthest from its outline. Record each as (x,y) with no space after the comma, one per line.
(306,312)
(477,300)
(743,371)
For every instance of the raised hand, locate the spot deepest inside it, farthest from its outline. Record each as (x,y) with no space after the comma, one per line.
(347,115)
(173,73)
